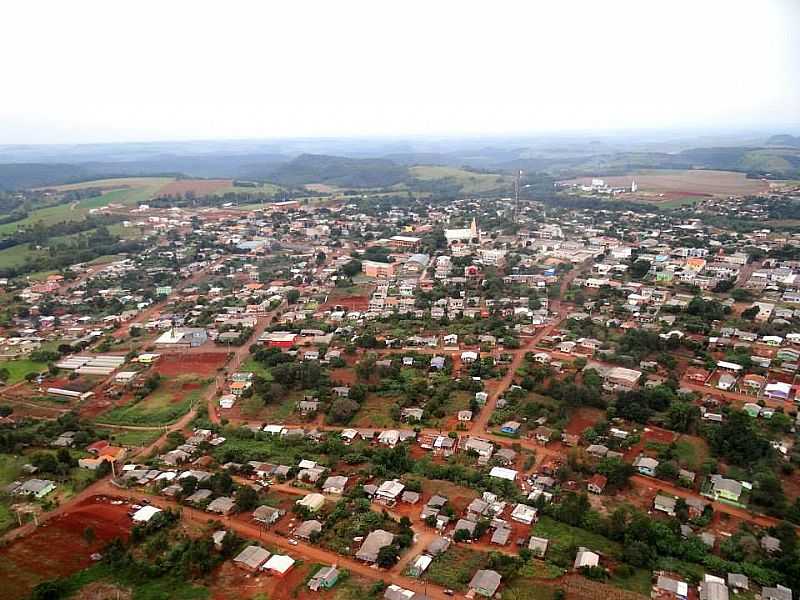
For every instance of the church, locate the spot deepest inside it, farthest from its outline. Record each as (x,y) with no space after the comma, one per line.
(463,237)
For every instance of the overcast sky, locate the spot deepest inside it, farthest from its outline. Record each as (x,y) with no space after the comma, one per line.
(124,70)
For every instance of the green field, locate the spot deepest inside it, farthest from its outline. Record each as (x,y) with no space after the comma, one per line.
(469,182)
(19,368)
(253,366)
(565,537)
(132,438)
(159,408)
(141,190)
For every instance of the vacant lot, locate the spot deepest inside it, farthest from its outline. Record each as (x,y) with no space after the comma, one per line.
(375,411)
(173,398)
(201,364)
(687,183)
(455,568)
(59,548)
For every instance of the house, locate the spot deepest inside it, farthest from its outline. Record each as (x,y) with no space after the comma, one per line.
(523,513)
(307,529)
(483,448)
(144,514)
(267,514)
(597,483)
(325,578)
(538,546)
(510,427)
(503,473)
(334,484)
(388,492)
(251,558)
(485,582)
(670,589)
(500,536)
(420,565)
(543,434)
(665,504)
(313,502)
(646,465)
(725,489)
(586,558)
(278,564)
(437,546)
(739,582)
(39,488)
(465,525)
(222,505)
(373,543)
(778,592)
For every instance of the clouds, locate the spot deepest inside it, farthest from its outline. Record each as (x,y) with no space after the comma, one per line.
(108,71)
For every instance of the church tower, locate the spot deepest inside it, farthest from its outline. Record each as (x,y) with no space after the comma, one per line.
(634,187)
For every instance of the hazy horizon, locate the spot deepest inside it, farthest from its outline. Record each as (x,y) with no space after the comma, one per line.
(152,72)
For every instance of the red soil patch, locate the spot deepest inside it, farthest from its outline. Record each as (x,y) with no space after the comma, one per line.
(196,186)
(344,376)
(583,419)
(58,548)
(201,363)
(349,302)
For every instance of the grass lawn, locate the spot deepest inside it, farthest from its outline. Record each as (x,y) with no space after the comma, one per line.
(692,452)
(563,537)
(253,366)
(158,408)
(10,466)
(132,438)
(455,568)
(19,368)
(18,255)
(640,582)
(521,589)
(376,411)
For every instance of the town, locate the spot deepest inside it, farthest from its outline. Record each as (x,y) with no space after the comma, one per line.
(538,393)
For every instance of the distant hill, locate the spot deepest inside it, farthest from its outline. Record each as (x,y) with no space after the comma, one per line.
(339,171)
(28,175)
(784,139)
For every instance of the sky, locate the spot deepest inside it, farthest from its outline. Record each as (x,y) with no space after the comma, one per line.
(124,70)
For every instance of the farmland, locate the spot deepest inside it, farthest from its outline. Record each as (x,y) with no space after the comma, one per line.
(125,192)
(685,183)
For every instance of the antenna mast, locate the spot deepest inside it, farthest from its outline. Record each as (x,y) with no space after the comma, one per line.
(516,195)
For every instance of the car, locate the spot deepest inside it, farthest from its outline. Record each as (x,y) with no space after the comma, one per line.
(293,542)
(136,506)
(449,592)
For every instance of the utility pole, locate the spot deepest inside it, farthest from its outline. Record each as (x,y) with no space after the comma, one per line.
(516,195)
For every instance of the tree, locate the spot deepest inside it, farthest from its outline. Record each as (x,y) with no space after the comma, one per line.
(681,416)
(342,410)
(89,535)
(387,556)
(640,268)
(292,296)
(246,498)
